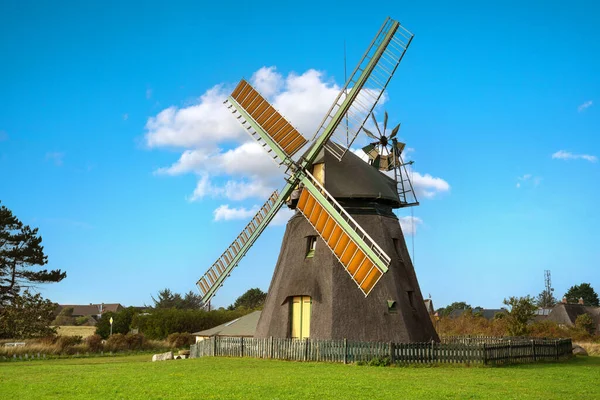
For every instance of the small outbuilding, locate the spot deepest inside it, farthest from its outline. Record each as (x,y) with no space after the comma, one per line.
(241,327)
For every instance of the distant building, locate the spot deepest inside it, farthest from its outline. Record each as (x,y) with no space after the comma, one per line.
(566,314)
(93,310)
(429,306)
(541,314)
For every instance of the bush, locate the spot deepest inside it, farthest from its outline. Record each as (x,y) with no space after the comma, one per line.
(160,323)
(65,317)
(380,362)
(135,341)
(469,324)
(121,322)
(85,321)
(63,343)
(117,342)
(94,343)
(178,340)
(547,329)
(585,322)
(27,316)
(47,340)
(120,342)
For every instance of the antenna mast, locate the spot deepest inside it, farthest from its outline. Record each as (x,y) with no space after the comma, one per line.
(548,281)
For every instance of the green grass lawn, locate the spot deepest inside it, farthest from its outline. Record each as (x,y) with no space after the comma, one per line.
(134,377)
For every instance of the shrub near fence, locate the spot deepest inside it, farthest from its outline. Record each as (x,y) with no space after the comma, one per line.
(482,351)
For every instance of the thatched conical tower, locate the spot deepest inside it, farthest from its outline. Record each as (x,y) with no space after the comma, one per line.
(311,295)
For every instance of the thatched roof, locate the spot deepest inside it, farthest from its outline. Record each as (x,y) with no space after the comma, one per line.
(567,314)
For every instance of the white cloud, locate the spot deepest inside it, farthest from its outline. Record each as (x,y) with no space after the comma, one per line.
(225,213)
(232,189)
(200,125)
(203,188)
(409,224)
(228,162)
(56,157)
(565,155)
(267,81)
(282,216)
(528,179)
(240,190)
(305,100)
(585,105)
(425,186)
(428,186)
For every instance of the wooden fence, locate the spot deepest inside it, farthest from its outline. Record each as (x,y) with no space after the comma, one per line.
(484,351)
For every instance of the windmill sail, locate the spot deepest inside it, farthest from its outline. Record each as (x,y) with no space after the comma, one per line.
(212,280)
(260,118)
(364,88)
(362,258)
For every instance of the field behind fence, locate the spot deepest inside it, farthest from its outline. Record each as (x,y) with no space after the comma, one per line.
(464,350)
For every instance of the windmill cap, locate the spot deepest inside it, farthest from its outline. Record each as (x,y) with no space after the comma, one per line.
(352,178)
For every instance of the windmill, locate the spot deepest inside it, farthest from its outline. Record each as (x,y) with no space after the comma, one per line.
(326,231)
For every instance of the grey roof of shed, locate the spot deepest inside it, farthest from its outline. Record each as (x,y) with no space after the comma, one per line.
(243,326)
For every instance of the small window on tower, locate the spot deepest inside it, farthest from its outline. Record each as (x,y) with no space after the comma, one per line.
(311,244)
(392,307)
(411,298)
(398,249)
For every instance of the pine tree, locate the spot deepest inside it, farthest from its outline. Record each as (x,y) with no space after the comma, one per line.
(584,291)
(21,253)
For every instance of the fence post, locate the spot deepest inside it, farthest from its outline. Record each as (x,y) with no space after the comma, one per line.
(484,354)
(510,350)
(305,349)
(242,346)
(533,349)
(271,347)
(214,338)
(556,350)
(432,350)
(345,351)
(392,353)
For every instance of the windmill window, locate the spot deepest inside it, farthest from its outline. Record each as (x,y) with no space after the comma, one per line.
(397,247)
(311,244)
(411,298)
(392,307)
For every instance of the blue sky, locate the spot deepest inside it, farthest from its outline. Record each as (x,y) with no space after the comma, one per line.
(113,144)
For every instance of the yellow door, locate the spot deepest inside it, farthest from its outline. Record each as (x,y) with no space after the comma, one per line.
(305,317)
(296,317)
(301,308)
